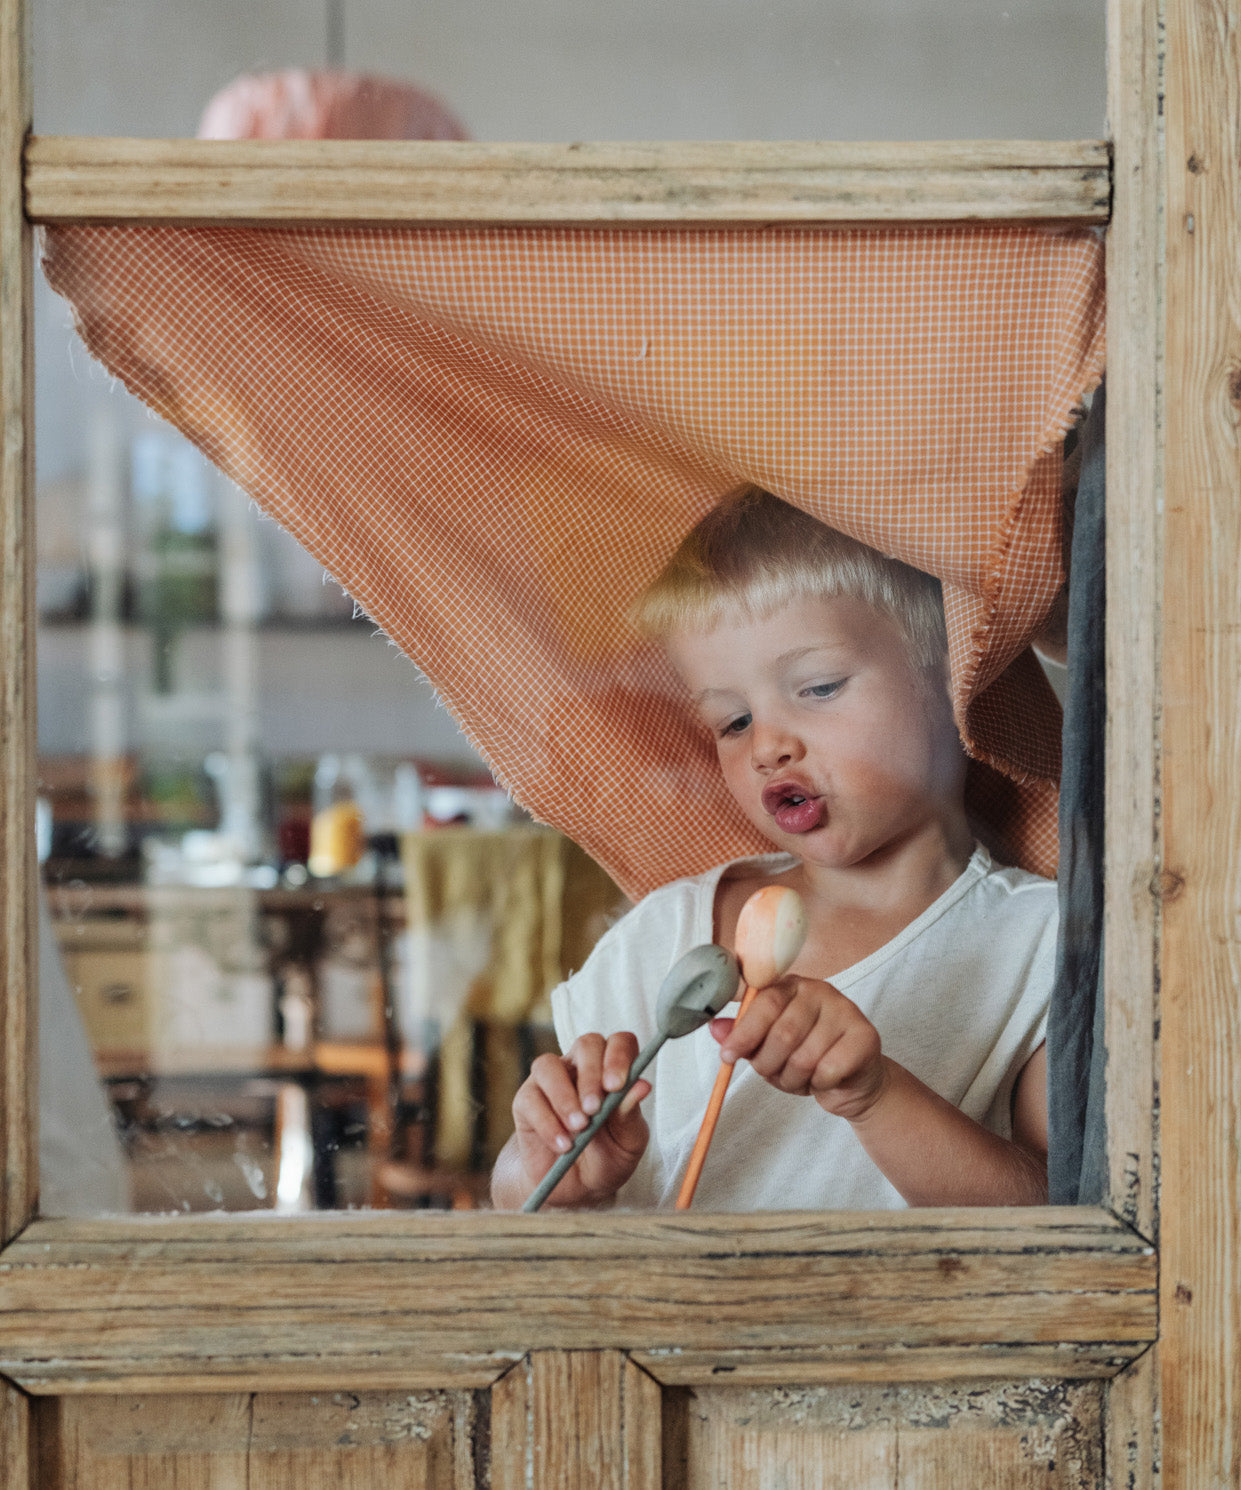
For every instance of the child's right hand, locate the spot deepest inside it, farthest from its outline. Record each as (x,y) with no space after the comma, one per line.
(558,1099)
(807,1038)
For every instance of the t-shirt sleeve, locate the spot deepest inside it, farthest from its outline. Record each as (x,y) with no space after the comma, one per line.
(1027,1026)
(615,989)
(579,1004)
(1042,978)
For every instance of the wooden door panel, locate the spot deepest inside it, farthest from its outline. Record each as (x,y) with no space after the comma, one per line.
(263,1441)
(140,1443)
(1021,1435)
(17,1441)
(584,1420)
(589,1418)
(118,1309)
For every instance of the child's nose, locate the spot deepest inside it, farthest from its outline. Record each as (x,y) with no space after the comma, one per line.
(773,746)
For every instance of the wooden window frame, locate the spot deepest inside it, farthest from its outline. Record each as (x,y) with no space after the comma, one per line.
(409,1300)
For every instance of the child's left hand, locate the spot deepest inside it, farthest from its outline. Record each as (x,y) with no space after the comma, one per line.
(807,1039)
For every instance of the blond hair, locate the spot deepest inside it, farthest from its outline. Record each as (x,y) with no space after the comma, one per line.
(754,553)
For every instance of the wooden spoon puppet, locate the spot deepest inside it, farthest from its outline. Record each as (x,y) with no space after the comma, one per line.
(700,984)
(770,932)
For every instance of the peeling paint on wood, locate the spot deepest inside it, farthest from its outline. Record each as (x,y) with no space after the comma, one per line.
(1026,1434)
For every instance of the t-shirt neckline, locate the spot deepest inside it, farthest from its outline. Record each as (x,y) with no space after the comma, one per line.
(977,868)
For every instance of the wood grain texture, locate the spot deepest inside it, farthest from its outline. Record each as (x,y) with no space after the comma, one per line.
(441,182)
(1028,1435)
(510,1438)
(677,1367)
(341,1440)
(594,1420)
(98,1305)
(1134,884)
(1200,999)
(564,1419)
(1132,847)
(17,1445)
(17,740)
(1131,1426)
(641,1428)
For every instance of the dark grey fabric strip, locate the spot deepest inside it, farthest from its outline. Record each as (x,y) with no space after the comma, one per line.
(1076,1056)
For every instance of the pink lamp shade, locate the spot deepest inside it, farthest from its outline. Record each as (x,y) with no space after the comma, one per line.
(298,104)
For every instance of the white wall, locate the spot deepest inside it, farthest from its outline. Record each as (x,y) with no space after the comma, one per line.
(317,690)
(586,69)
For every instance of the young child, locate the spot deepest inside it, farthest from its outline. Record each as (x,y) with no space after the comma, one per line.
(901,1059)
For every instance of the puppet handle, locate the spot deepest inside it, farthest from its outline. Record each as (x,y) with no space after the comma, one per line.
(712,1116)
(609,1105)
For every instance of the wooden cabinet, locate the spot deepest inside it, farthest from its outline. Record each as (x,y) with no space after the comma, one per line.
(601,1421)
(911,1349)
(964,1349)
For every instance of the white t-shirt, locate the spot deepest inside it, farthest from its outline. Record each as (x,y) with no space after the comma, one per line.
(959,998)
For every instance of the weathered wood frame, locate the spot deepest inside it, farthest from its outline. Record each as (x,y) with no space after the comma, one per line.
(214,1304)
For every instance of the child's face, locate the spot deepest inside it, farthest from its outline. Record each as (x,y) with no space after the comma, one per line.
(835,746)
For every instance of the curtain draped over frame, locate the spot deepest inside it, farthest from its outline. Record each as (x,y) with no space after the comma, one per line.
(493,438)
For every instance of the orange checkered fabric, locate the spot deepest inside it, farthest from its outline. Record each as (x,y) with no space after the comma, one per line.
(494,438)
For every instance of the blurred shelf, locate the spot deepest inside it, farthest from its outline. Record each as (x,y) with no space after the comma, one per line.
(228,1061)
(364,1058)
(282,625)
(75,901)
(367,1058)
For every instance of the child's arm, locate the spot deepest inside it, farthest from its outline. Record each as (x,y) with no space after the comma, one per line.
(807,1039)
(553,1105)
(935,1155)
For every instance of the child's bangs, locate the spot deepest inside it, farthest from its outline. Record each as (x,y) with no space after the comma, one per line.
(696,600)
(754,554)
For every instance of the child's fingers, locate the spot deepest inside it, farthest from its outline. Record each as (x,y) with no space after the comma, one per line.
(601,1066)
(856,1051)
(792,1047)
(619,1054)
(749,1031)
(536,1116)
(547,1111)
(803,1036)
(626,1132)
(804,1062)
(721,1028)
(636,1093)
(556,1077)
(586,1057)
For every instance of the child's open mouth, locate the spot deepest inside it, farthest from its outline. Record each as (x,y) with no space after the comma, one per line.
(794,810)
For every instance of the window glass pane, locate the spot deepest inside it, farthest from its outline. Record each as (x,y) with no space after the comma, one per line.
(221,736)
(582,70)
(211,833)
(269,1036)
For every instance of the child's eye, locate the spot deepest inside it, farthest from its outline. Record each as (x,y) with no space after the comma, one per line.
(823,690)
(736,725)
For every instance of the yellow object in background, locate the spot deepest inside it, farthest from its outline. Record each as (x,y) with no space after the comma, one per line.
(337,840)
(495,921)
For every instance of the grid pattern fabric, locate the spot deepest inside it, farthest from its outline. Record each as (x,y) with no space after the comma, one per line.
(493,438)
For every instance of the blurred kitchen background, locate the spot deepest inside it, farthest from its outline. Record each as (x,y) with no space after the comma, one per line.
(308,940)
